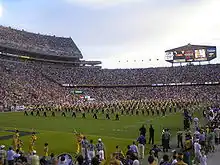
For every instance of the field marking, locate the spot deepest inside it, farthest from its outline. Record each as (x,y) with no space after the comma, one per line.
(98,136)
(125,128)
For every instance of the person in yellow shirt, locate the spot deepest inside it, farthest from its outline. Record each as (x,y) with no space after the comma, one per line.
(32,142)
(119,153)
(115,161)
(151,161)
(15,140)
(46,150)
(20,145)
(79,138)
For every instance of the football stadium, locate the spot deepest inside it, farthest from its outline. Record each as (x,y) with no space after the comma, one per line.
(53,102)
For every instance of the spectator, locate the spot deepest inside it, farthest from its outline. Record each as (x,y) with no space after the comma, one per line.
(156,150)
(134,148)
(141,146)
(34,159)
(3,155)
(165,160)
(95,160)
(53,160)
(203,159)
(197,151)
(17,154)
(129,152)
(180,160)
(22,158)
(151,161)
(10,156)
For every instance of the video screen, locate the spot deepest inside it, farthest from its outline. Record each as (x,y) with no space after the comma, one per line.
(200,55)
(179,53)
(169,56)
(211,53)
(189,55)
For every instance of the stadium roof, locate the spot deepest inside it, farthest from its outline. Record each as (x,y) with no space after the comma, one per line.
(188,46)
(38,43)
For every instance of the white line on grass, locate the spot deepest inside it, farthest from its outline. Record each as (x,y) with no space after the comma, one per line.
(98,136)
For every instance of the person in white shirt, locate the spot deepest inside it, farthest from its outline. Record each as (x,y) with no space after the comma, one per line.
(134,148)
(10,156)
(91,150)
(17,155)
(197,151)
(84,145)
(196,135)
(3,155)
(203,159)
(100,147)
(136,162)
(35,160)
(174,161)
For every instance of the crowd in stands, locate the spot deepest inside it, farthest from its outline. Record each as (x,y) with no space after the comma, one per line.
(193,74)
(37,83)
(43,44)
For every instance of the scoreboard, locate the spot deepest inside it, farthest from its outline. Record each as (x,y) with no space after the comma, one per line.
(191,53)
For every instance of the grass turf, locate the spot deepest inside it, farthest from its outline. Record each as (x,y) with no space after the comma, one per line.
(3,133)
(58,131)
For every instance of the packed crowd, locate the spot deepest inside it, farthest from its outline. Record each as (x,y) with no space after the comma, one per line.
(43,44)
(87,76)
(36,83)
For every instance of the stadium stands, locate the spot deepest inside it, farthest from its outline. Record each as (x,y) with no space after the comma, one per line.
(43,44)
(28,82)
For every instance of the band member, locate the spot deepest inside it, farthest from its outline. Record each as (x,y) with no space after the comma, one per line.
(83,114)
(117,116)
(15,140)
(53,114)
(79,138)
(63,114)
(46,150)
(25,113)
(107,116)
(20,145)
(38,113)
(74,114)
(95,116)
(45,114)
(32,142)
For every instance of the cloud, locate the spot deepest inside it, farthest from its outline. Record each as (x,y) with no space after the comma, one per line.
(101,3)
(128,31)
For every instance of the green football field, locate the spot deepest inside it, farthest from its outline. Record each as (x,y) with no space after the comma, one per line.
(58,131)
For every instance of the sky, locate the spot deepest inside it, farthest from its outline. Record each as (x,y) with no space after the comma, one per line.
(120,33)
